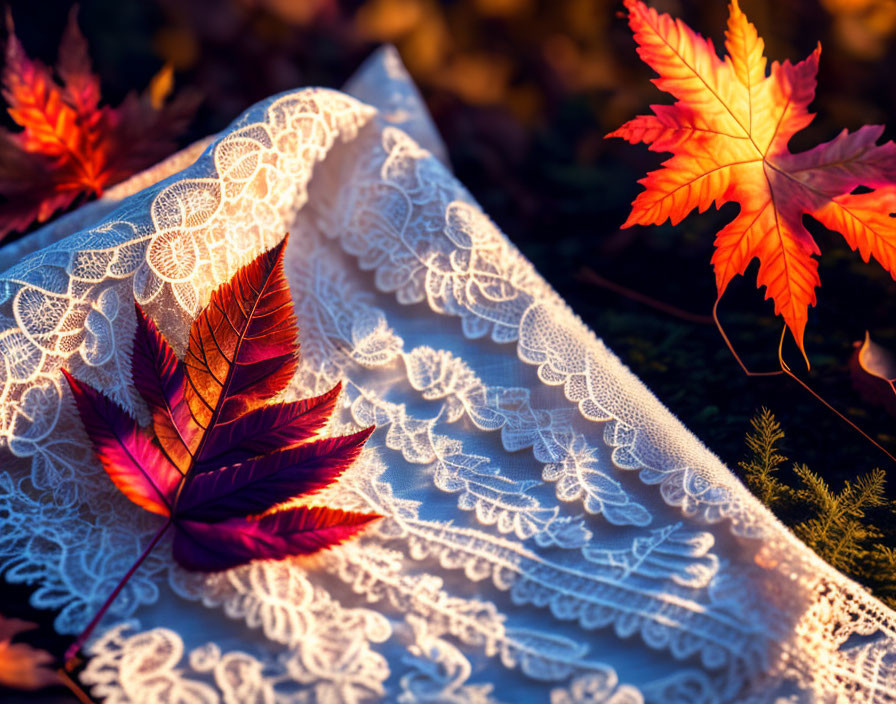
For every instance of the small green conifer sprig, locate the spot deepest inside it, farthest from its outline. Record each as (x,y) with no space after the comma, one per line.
(851,529)
(765,460)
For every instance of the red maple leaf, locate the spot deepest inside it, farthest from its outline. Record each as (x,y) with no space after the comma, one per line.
(220,457)
(70,146)
(728,132)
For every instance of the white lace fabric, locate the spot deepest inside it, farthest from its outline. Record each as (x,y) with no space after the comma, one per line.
(551,531)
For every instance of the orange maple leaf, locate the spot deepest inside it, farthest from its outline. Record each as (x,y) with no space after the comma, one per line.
(728,133)
(70,146)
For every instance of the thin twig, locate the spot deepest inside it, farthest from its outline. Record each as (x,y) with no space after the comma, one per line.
(590,276)
(715,317)
(75,688)
(85,634)
(785,369)
(788,372)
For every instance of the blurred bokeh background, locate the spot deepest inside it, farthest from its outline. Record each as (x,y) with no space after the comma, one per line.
(523,92)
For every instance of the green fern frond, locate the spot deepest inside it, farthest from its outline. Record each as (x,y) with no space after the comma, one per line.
(867,492)
(765,459)
(837,531)
(887,555)
(846,527)
(764,439)
(815,491)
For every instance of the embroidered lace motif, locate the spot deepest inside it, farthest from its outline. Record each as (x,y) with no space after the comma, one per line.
(551,532)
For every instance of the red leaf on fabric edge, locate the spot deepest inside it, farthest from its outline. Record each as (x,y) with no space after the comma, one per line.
(214,407)
(70,147)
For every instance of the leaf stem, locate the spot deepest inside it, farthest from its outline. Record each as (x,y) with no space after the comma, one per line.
(788,372)
(75,647)
(75,688)
(588,275)
(785,369)
(715,317)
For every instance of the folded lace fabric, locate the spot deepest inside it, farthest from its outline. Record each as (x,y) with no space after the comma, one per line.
(552,532)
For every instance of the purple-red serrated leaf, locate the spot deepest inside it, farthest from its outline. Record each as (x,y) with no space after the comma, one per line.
(132,460)
(143,132)
(35,103)
(211,547)
(266,429)
(260,483)
(82,86)
(217,458)
(159,378)
(243,347)
(74,146)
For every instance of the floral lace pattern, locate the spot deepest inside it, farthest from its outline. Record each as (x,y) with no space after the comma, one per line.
(550,531)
